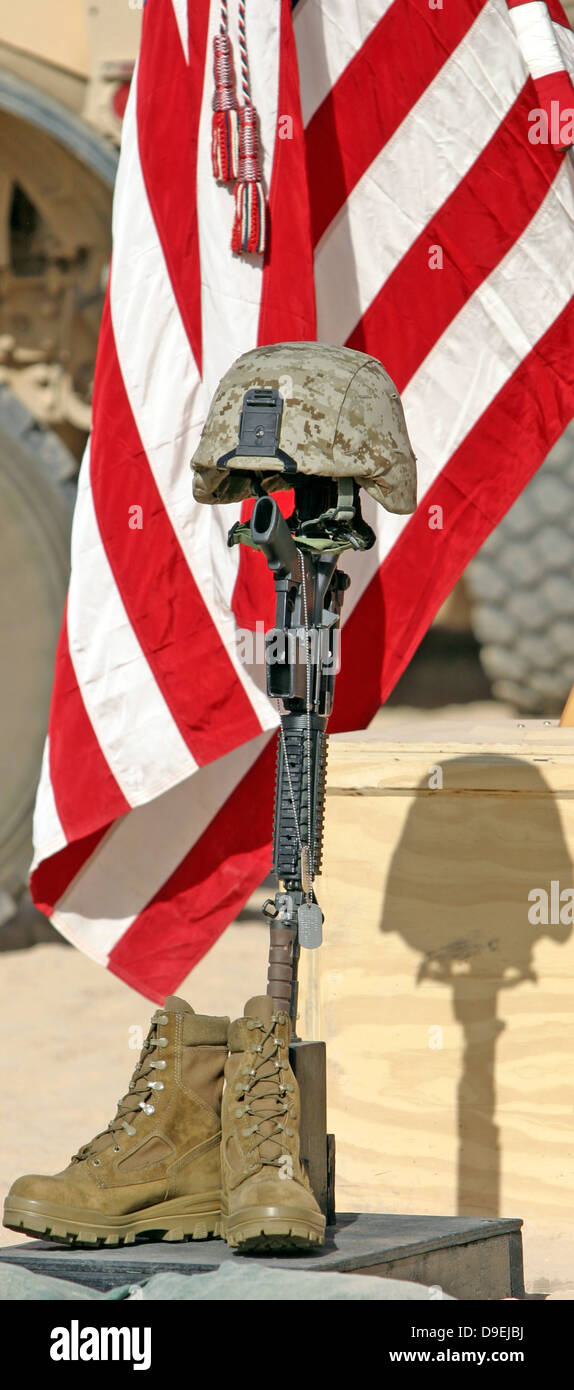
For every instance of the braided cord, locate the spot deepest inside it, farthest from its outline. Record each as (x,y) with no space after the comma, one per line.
(245,80)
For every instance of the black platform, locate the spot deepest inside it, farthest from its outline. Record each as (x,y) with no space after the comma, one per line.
(469,1258)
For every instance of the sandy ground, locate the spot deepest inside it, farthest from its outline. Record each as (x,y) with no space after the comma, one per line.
(71,1033)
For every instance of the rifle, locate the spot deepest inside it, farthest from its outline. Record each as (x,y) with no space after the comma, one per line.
(301,658)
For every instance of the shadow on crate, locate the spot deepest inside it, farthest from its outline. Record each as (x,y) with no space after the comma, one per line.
(472,850)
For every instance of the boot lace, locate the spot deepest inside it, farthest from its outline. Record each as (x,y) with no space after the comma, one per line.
(265,1094)
(139,1094)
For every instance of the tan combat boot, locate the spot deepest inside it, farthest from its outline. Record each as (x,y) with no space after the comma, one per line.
(267,1201)
(156,1168)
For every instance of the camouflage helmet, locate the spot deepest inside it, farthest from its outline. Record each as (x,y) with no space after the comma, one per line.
(327,411)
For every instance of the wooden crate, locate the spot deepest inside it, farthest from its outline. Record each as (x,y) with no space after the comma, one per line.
(445,999)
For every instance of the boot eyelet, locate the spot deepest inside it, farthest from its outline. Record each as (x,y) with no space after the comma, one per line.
(163,1018)
(147,1109)
(157,1086)
(161,1066)
(163,1042)
(97,1162)
(116,1148)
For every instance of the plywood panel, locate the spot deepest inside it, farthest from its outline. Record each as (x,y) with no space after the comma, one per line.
(448,1013)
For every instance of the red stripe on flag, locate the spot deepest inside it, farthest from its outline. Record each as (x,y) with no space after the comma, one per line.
(169,97)
(473,230)
(163,602)
(288,316)
(85,790)
(53,876)
(374,95)
(480,482)
(206,892)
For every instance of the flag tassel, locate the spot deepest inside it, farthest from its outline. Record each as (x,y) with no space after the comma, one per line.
(250,220)
(225,119)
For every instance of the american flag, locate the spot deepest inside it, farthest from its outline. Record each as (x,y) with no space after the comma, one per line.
(416,212)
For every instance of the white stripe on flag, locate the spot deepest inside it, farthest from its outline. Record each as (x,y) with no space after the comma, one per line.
(565,40)
(48,832)
(415,173)
(142,850)
(131,720)
(535,33)
(180,11)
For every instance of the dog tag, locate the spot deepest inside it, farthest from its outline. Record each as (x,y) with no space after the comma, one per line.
(310,924)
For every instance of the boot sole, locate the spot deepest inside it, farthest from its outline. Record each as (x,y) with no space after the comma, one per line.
(178,1219)
(273,1229)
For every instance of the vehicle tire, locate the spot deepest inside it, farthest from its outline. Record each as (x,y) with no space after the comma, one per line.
(521,591)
